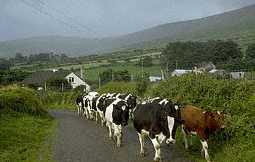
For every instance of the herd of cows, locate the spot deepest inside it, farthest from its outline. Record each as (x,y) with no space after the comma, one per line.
(156,118)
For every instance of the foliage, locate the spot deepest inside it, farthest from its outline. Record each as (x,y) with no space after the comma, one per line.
(23,137)
(250,52)
(141,86)
(189,54)
(110,75)
(58,84)
(20,99)
(4,64)
(145,61)
(59,100)
(119,87)
(12,76)
(236,98)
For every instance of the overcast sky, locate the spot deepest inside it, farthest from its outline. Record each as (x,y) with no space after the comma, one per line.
(100,18)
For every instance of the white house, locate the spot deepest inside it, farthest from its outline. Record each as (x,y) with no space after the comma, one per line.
(76,81)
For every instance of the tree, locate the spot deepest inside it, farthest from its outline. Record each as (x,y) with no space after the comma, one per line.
(223,51)
(5,64)
(250,52)
(122,76)
(141,86)
(189,54)
(19,58)
(145,61)
(106,76)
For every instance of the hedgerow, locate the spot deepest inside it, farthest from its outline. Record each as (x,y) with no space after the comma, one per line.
(236,98)
(21,99)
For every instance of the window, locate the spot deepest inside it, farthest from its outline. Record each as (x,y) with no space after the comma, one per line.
(71,79)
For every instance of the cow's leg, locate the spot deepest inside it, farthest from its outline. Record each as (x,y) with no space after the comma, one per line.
(118,134)
(96,116)
(101,114)
(170,122)
(108,124)
(85,112)
(156,146)
(78,110)
(185,138)
(205,149)
(141,140)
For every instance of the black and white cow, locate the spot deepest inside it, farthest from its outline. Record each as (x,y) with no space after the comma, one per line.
(131,101)
(116,116)
(80,105)
(158,121)
(88,107)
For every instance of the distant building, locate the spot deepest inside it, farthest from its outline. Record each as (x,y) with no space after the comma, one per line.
(237,75)
(76,81)
(38,79)
(180,72)
(155,78)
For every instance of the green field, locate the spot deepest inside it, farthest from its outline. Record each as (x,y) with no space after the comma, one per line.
(92,73)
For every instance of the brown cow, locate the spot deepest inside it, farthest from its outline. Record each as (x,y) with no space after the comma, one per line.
(200,123)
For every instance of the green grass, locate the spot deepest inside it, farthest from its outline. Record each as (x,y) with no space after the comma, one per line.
(22,138)
(92,74)
(26,129)
(59,100)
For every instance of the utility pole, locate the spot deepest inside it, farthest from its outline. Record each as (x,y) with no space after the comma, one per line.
(112,76)
(142,66)
(62,87)
(45,86)
(99,80)
(81,72)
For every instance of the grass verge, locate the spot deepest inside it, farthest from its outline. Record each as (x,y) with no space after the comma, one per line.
(22,138)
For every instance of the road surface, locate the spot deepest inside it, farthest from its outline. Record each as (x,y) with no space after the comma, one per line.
(81,140)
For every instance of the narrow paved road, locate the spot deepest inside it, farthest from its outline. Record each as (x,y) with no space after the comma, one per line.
(80,140)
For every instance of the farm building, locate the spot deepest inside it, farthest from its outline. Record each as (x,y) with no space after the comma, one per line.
(39,79)
(237,75)
(155,78)
(180,72)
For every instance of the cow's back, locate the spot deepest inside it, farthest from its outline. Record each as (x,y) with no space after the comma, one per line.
(145,115)
(192,117)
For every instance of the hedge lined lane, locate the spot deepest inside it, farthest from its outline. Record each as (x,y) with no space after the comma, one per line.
(80,140)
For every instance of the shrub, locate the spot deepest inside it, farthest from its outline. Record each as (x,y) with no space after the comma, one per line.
(235,97)
(59,100)
(21,99)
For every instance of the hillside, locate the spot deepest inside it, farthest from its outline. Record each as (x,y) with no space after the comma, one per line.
(238,25)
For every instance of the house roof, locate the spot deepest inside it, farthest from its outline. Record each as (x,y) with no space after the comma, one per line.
(40,77)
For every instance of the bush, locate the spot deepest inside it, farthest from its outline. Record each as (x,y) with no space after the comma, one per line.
(234,97)
(59,100)
(21,99)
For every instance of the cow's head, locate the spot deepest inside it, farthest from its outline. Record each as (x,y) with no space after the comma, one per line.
(123,112)
(216,119)
(131,102)
(172,112)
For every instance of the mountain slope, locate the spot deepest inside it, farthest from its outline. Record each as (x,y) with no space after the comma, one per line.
(238,25)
